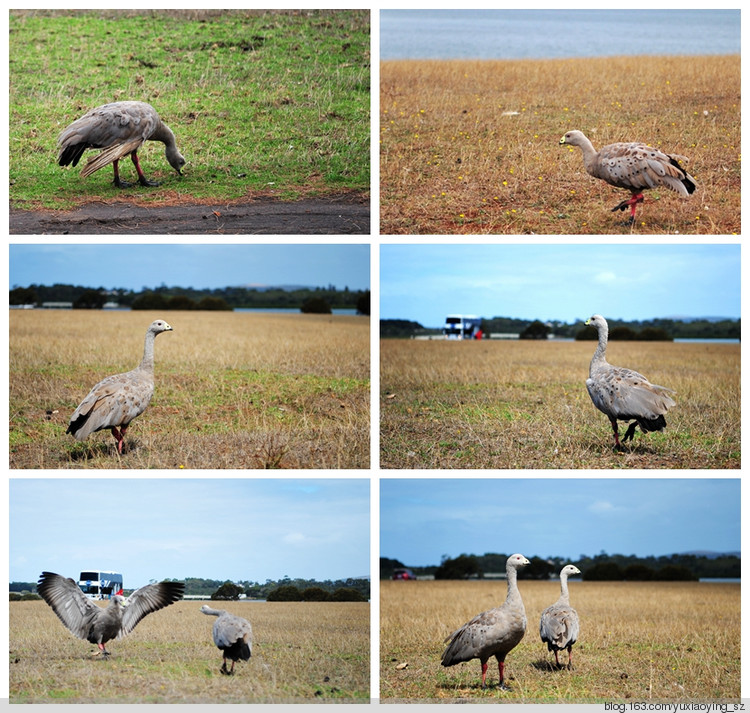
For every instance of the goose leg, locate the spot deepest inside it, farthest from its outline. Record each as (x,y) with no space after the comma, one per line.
(118,182)
(501,672)
(618,445)
(632,202)
(570,657)
(484,674)
(141,176)
(102,650)
(119,435)
(557,660)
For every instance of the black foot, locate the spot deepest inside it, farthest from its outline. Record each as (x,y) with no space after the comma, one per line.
(621,206)
(146,182)
(122,184)
(630,432)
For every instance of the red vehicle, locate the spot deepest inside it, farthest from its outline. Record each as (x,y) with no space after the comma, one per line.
(403,573)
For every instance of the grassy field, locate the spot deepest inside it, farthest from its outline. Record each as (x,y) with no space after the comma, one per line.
(661,641)
(301,652)
(524,404)
(233,390)
(261,102)
(472,147)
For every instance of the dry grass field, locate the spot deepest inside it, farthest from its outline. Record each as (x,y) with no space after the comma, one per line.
(233,390)
(301,651)
(472,147)
(660,641)
(524,404)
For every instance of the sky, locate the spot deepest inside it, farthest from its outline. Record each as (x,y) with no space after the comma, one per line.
(568,282)
(151,529)
(134,266)
(423,519)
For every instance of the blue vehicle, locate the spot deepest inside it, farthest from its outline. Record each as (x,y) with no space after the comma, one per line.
(462,326)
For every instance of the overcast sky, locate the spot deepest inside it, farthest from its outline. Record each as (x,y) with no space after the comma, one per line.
(424,283)
(423,519)
(237,529)
(136,265)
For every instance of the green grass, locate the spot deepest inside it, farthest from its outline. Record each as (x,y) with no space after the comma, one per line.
(260,102)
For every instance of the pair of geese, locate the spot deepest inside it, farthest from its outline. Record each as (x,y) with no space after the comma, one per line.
(121,128)
(232,634)
(498,631)
(621,394)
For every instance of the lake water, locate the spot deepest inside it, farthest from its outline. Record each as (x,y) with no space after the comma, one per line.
(548,34)
(291,310)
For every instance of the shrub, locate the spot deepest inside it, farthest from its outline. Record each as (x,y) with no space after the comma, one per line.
(345,594)
(285,593)
(315,305)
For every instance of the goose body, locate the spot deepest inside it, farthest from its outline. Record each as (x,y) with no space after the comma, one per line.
(623,394)
(119,129)
(233,636)
(494,632)
(633,166)
(558,625)
(115,401)
(99,625)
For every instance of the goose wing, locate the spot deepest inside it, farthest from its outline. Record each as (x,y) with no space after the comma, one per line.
(149,599)
(71,605)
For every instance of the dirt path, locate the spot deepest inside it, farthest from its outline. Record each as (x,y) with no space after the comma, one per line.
(332,215)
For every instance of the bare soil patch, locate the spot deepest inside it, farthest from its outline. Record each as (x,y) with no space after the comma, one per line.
(344,214)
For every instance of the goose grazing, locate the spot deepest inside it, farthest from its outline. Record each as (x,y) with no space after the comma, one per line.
(233,635)
(88,621)
(119,129)
(494,632)
(115,401)
(633,166)
(622,394)
(558,625)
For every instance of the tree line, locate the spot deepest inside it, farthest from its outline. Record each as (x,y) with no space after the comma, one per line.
(164,297)
(600,567)
(284,589)
(643,330)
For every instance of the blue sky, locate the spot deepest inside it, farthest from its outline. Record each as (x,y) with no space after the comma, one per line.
(135,265)
(237,529)
(423,519)
(424,283)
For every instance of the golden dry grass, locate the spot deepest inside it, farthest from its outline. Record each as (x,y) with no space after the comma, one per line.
(524,404)
(301,651)
(660,641)
(452,163)
(233,390)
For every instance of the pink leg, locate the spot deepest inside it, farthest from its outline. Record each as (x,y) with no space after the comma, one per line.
(484,673)
(119,435)
(618,446)
(557,660)
(501,671)
(141,176)
(118,181)
(570,657)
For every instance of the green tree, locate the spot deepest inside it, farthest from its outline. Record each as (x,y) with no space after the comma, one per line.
(213,303)
(363,303)
(536,330)
(228,591)
(150,301)
(90,299)
(315,305)
(23,296)
(285,593)
(346,594)
(315,594)
(461,567)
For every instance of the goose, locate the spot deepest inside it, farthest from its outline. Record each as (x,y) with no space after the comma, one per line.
(623,394)
(119,128)
(494,632)
(115,401)
(633,166)
(92,623)
(233,635)
(558,625)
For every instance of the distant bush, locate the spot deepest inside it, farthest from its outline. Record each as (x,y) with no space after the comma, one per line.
(90,299)
(285,593)
(363,303)
(674,573)
(536,330)
(315,594)
(180,302)
(622,334)
(603,571)
(26,597)
(151,301)
(213,303)
(315,305)
(228,591)
(638,573)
